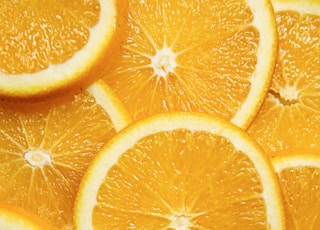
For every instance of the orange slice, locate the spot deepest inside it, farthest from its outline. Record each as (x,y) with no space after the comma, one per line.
(180,171)
(299,177)
(289,117)
(215,57)
(15,218)
(46,148)
(51,46)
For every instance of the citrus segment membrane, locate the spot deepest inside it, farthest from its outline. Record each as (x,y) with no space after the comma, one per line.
(214,57)
(179,171)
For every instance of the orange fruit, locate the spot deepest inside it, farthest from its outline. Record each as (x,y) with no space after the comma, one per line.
(299,177)
(47,47)
(289,117)
(15,218)
(179,171)
(214,57)
(45,148)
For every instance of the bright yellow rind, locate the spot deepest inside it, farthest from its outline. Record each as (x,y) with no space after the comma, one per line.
(302,6)
(106,98)
(293,160)
(262,76)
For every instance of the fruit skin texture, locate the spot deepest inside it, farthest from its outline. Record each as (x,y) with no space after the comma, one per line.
(59,81)
(88,196)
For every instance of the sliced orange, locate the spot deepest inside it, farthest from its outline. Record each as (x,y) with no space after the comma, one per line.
(51,46)
(299,177)
(180,171)
(289,117)
(15,218)
(215,57)
(45,149)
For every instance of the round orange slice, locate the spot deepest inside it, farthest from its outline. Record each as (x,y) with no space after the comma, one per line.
(46,148)
(180,171)
(214,57)
(289,117)
(48,47)
(299,177)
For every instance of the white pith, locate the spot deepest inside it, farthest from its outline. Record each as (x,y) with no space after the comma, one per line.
(180,222)
(289,93)
(163,62)
(37,158)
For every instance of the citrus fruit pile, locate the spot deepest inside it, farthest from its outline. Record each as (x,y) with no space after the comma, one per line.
(151,114)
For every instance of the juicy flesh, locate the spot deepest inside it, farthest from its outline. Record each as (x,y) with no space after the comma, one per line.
(291,113)
(301,189)
(45,149)
(157,184)
(184,57)
(36,34)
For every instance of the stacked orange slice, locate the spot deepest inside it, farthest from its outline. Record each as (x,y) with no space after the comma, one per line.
(47,147)
(180,171)
(298,173)
(289,117)
(194,124)
(214,57)
(50,47)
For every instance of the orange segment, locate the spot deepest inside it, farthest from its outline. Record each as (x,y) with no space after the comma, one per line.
(179,171)
(299,177)
(46,47)
(289,117)
(209,56)
(47,147)
(13,217)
